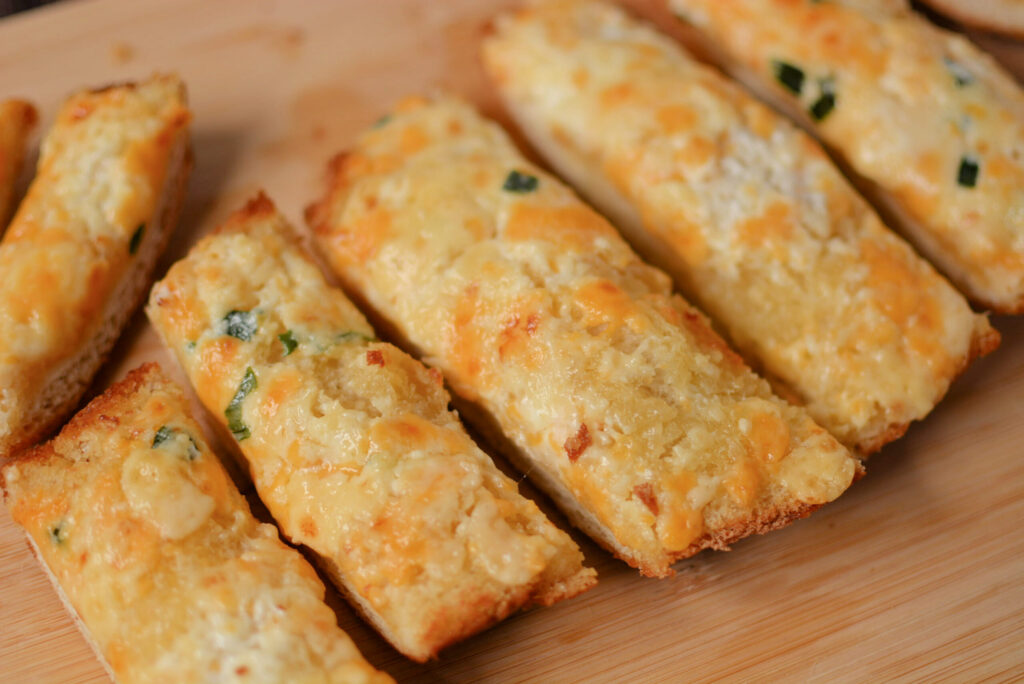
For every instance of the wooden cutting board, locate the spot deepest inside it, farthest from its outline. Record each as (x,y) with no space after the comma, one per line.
(917,573)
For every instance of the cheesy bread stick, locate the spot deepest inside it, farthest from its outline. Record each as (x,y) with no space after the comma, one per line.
(80,251)
(613,394)
(156,554)
(932,124)
(351,445)
(745,211)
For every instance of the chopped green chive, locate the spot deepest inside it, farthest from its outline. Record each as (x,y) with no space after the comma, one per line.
(520,182)
(165,433)
(826,102)
(133,244)
(354,336)
(288,340)
(382,121)
(791,77)
(967,174)
(58,533)
(959,72)
(240,324)
(162,435)
(190,346)
(234,410)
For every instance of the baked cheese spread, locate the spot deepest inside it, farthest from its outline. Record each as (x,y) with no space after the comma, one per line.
(618,393)
(157,553)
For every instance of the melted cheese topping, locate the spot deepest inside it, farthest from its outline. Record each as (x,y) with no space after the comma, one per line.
(101,171)
(160,557)
(535,308)
(764,231)
(157,488)
(912,103)
(16,121)
(352,446)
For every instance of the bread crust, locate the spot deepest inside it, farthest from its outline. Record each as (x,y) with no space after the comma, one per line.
(471,615)
(66,602)
(560,344)
(352,448)
(211,570)
(734,217)
(64,263)
(998,16)
(17,119)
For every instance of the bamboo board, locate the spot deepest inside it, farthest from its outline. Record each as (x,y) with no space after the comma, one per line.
(917,573)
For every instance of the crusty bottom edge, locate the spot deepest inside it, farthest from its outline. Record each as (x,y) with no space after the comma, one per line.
(440,635)
(989,17)
(79,623)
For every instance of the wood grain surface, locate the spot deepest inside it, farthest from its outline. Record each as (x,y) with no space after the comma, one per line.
(917,573)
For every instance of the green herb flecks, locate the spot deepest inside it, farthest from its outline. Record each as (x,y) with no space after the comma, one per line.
(967,174)
(959,72)
(355,336)
(791,77)
(234,410)
(190,346)
(520,182)
(162,435)
(241,324)
(133,244)
(58,533)
(826,102)
(288,340)
(166,432)
(382,121)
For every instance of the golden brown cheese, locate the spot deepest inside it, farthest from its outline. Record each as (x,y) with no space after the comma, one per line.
(74,261)
(157,553)
(17,119)
(351,444)
(745,210)
(935,124)
(617,396)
